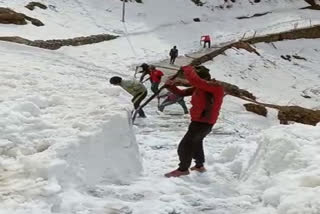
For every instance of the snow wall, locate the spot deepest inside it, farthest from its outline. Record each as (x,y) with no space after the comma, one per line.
(285,169)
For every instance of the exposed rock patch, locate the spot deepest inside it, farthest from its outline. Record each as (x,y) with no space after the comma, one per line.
(255,15)
(196,20)
(8,16)
(258,109)
(198,2)
(32,5)
(58,43)
(138,1)
(298,114)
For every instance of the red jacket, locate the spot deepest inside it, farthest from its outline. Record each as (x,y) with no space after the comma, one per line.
(202,110)
(155,75)
(205,38)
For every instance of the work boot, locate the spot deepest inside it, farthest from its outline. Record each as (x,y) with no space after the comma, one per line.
(198,169)
(177,173)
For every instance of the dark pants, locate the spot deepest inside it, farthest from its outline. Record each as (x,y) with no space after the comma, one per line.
(136,100)
(168,102)
(205,44)
(154,87)
(172,59)
(191,145)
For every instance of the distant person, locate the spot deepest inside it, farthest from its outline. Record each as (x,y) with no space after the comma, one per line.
(206,40)
(206,100)
(155,78)
(145,71)
(172,98)
(173,54)
(133,87)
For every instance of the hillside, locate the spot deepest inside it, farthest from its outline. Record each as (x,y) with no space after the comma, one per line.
(67,145)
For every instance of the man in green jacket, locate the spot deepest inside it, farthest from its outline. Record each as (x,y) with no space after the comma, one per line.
(133,87)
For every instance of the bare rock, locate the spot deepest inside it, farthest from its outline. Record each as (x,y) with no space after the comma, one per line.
(258,109)
(32,5)
(298,114)
(8,16)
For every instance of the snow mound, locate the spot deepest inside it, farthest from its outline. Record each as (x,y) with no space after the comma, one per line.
(286,168)
(109,155)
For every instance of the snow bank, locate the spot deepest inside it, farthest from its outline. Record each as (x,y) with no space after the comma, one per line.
(286,169)
(109,155)
(60,131)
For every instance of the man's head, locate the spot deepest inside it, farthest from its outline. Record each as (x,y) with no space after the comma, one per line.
(203,72)
(144,66)
(115,80)
(174,47)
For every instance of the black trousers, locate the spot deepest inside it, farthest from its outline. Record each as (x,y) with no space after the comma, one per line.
(172,59)
(137,100)
(191,145)
(209,44)
(155,87)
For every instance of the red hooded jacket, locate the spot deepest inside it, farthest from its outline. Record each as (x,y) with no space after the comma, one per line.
(155,75)
(205,38)
(201,91)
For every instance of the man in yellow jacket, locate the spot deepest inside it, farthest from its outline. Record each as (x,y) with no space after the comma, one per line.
(133,87)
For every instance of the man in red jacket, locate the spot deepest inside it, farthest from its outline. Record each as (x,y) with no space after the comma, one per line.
(155,78)
(206,40)
(207,97)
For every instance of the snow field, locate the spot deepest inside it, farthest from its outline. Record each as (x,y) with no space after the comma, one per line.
(66,142)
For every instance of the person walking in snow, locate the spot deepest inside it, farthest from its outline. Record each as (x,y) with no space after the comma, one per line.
(172,98)
(133,87)
(206,40)
(207,96)
(173,54)
(155,78)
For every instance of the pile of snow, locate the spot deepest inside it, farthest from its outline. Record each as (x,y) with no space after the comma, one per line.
(285,169)
(60,130)
(67,145)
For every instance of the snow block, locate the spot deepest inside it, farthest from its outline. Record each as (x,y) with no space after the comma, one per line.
(110,155)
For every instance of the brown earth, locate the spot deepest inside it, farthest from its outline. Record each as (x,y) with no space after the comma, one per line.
(8,16)
(32,5)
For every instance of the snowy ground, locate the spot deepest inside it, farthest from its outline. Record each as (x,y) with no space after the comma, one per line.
(66,143)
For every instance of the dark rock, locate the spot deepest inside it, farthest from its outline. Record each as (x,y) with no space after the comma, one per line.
(196,19)
(8,16)
(299,57)
(34,21)
(198,2)
(58,43)
(258,109)
(298,114)
(32,5)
